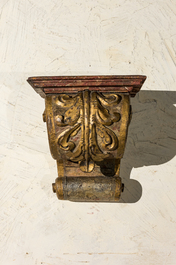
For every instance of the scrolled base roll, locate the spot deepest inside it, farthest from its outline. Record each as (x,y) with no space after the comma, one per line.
(88,189)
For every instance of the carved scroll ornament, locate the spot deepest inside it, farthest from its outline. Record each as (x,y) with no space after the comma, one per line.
(87,121)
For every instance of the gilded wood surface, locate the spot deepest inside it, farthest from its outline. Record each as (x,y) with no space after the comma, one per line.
(80,127)
(87,121)
(88,128)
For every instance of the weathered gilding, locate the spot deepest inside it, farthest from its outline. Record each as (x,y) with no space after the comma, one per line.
(88,189)
(87,121)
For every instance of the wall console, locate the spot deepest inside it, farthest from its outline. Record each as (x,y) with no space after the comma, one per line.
(87,120)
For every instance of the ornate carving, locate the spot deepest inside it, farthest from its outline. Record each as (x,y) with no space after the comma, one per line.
(89,114)
(87,121)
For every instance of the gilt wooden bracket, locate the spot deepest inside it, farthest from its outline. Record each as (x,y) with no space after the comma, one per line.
(87,121)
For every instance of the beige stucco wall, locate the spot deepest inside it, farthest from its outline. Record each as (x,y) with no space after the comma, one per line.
(75,37)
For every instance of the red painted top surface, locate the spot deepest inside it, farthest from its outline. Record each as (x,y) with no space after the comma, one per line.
(72,84)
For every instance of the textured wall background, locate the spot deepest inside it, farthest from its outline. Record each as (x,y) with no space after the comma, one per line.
(75,37)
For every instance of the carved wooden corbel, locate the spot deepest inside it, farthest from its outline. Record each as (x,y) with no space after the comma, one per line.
(87,121)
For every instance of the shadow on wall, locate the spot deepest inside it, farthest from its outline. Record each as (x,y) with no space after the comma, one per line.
(151,137)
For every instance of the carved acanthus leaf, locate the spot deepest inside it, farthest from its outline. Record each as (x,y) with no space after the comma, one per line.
(89,113)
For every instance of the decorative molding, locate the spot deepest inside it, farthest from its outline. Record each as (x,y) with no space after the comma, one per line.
(44,85)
